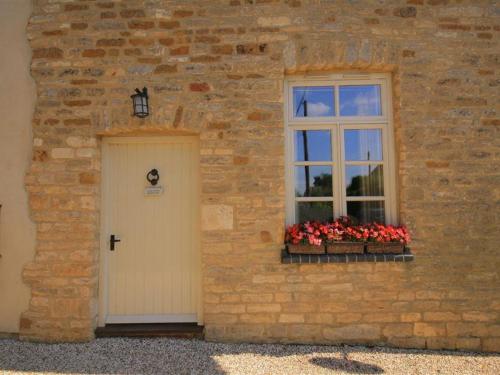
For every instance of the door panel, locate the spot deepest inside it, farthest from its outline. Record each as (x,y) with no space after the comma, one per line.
(153,274)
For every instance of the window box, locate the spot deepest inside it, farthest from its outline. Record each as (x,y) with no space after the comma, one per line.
(305,249)
(384,248)
(342,237)
(345,247)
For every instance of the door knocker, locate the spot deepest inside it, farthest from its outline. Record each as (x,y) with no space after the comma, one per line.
(153,177)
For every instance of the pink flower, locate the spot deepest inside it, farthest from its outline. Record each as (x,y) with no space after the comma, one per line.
(342,229)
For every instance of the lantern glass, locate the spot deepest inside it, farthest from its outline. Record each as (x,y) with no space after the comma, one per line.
(140,103)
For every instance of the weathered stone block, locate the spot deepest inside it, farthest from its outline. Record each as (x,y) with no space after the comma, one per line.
(93,53)
(165,68)
(273,21)
(264,307)
(441,317)
(48,53)
(353,332)
(62,153)
(398,330)
(217,217)
(429,329)
(491,344)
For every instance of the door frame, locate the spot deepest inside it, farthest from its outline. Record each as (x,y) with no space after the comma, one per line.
(102,312)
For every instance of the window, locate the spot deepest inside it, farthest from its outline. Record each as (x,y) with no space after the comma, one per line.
(340,148)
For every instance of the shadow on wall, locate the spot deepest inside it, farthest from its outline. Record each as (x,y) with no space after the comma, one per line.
(178,356)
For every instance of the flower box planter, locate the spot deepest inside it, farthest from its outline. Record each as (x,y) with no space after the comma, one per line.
(305,249)
(385,247)
(342,237)
(345,247)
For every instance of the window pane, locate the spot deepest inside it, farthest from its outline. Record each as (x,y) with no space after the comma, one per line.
(364,180)
(366,212)
(313,181)
(360,100)
(315,101)
(314,211)
(363,145)
(313,145)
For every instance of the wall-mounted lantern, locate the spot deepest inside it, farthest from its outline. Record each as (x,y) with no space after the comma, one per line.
(140,103)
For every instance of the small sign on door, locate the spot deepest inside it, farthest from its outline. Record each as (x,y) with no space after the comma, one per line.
(153,191)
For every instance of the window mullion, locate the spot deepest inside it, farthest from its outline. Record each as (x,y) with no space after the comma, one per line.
(336,144)
(339,175)
(387,177)
(334,169)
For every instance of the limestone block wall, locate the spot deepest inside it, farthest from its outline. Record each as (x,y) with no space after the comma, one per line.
(216,68)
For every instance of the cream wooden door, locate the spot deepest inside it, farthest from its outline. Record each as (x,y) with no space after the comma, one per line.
(153,275)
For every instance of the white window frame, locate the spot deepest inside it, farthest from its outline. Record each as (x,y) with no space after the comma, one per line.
(336,124)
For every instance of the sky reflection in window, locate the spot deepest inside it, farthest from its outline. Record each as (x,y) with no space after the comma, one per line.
(314,101)
(313,145)
(362,100)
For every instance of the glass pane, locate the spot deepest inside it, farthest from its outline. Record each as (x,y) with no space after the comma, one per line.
(363,145)
(313,145)
(360,100)
(314,211)
(364,180)
(314,101)
(366,212)
(313,181)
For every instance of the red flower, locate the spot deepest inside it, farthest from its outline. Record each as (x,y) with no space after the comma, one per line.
(342,229)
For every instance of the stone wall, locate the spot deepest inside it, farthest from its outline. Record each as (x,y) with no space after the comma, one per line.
(217,68)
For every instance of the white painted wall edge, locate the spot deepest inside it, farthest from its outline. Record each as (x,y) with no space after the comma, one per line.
(17,101)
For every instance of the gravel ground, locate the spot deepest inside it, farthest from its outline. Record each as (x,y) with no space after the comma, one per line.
(176,356)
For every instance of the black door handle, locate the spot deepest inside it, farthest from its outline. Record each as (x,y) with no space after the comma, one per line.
(112,241)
